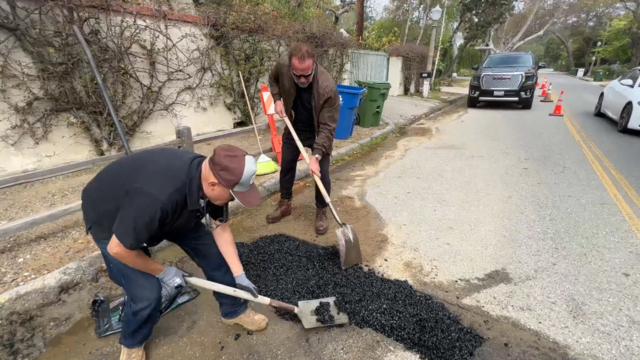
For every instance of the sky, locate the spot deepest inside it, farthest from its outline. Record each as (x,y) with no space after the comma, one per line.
(378,5)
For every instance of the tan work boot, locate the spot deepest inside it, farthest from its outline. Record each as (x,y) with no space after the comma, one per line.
(321,221)
(283,209)
(132,354)
(250,320)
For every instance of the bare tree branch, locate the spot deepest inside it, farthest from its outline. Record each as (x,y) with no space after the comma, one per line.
(345,8)
(538,34)
(511,44)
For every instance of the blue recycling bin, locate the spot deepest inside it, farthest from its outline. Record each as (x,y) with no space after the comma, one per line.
(350,99)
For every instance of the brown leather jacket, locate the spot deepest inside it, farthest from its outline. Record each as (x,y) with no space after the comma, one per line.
(325,101)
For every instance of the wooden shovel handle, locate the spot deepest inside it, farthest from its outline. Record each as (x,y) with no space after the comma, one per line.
(223,289)
(282,305)
(325,195)
(306,159)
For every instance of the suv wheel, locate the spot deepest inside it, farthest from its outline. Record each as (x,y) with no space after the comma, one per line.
(471,102)
(528,103)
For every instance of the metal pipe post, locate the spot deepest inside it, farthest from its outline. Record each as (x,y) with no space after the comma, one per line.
(444,20)
(103,89)
(432,44)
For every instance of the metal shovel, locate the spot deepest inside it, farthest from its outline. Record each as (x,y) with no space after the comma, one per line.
(348,241)
(305,309)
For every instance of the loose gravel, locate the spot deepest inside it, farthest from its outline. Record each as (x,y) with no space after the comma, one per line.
(323,313)
(291,270)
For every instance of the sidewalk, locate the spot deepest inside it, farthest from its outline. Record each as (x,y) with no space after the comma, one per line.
(599,83)
(454,89)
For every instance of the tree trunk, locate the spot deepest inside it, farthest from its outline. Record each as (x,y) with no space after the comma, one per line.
(635,35)
(635,42)
(454,62)
(406,29)
(424,21)
(567,47)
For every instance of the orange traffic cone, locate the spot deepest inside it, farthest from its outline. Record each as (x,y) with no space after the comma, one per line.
(544,91)
(538,85)
(269,109)
(557,111)
(543,87)
(547,95)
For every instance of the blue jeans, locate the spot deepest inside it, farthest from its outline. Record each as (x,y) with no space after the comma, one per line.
(142,309)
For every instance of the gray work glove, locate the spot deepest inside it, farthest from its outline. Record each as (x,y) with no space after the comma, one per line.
(171,280)
(243,283)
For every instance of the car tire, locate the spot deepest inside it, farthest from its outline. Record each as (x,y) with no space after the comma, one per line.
(528,104)
(625,117)
(597,111)
(471,102)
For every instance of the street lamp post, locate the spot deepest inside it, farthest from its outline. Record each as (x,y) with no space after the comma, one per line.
(435,16)
(444,20)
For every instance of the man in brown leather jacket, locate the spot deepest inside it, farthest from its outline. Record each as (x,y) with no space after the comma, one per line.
(306,93)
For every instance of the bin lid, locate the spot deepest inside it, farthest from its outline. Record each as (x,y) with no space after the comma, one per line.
(374,84)
(346,89)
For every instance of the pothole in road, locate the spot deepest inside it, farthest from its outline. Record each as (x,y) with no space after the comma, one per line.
(291,270)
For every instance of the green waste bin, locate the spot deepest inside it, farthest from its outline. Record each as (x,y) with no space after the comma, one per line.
(370,110)
(598,75)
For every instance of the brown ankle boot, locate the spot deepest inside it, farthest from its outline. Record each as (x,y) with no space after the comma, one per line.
(283,209)
(322,226)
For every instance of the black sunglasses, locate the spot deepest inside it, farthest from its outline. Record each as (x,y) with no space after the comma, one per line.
(306,76)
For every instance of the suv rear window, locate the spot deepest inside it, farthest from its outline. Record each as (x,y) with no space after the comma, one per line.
(508,60)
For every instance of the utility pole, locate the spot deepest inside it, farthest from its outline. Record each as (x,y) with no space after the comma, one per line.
(360,22)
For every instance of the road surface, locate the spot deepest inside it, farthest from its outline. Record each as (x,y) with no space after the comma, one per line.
(529,217)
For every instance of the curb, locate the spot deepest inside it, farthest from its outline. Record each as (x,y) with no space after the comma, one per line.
(81,277)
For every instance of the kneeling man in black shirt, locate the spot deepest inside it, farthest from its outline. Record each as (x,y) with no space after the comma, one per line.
(141,199)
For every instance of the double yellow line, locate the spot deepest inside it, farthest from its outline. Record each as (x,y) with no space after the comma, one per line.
(589,148)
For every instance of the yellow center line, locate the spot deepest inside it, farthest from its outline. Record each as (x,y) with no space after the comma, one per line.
(624,207)
(612,169)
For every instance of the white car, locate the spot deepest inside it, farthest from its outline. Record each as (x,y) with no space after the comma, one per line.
(620,101)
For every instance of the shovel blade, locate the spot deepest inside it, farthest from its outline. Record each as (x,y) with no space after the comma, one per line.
(309,319)
(348,246)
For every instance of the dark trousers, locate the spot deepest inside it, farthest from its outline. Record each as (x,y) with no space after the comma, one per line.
(290,155)
(142,308)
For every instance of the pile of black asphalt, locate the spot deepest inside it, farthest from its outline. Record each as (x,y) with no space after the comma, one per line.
(290,270)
